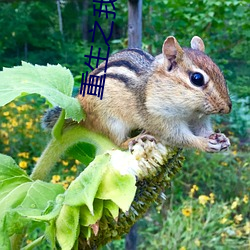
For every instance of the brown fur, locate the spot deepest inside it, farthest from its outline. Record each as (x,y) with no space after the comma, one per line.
(156,95)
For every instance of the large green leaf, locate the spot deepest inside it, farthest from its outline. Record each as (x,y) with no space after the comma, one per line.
(53,82)
(67,226)
(21,197)
(83,152)
(118,188)
(9,168)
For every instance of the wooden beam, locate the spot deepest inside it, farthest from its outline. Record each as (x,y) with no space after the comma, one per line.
(135,23)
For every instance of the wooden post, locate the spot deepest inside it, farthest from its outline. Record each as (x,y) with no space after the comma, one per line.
(134,23)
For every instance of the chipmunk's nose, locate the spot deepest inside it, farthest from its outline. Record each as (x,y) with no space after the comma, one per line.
(227,108)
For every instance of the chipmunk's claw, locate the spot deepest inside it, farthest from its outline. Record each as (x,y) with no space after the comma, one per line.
(218,142)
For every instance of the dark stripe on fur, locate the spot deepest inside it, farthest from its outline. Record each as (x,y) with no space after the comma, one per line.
(119,77)
(120,63)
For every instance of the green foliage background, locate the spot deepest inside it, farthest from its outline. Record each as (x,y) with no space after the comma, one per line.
(30,32)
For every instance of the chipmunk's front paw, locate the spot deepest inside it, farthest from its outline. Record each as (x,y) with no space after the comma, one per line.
(218,142)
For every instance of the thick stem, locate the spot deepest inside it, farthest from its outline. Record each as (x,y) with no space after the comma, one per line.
(57,147)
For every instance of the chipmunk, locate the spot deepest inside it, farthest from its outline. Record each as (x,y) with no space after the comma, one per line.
(170,96)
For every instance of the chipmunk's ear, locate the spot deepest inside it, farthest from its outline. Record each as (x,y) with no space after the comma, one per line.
(197,43)
(172,50)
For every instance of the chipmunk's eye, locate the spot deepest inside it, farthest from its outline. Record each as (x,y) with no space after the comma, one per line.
(197,79)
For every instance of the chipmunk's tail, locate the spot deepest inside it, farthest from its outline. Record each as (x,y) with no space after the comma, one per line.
(50,118)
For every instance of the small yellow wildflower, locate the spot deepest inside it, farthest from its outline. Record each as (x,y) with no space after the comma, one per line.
(223,220)
(4,134)
(203,199)
(193,190)
(65,163)
(245,199)
(223,235)
(73,168)
(224,164)
(183,248)
(187,211)
(55,178)
(235,203)
(6,113)
(211,195)
(12,105)
(247,227)
(23,164)
(29,124)
(65,185)
(14,123)
(234,152)
(77,162)
(238,218)
(238,233)
(24,154)
(70,178)
(197,242)
(35,159)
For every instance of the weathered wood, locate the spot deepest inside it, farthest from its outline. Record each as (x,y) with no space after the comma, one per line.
(131,238)
(134,23)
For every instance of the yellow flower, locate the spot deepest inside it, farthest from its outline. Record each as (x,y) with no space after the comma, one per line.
(224,164)
(245,199)
(187,211)
(203,199)
(77,162)
(182,248)
(70,178)
(211,195)
(65,163)
(235,203)
(35,159)
(55,178)
(73,168)
(197,242)
(238,218)
(24,154)
(65,185)
(29,124)
(247,227)
(223,220)
(6,113)
(238,233)
(234,152)
(223,235)
(14,123)
(193,190)
(23,164)
(4,134)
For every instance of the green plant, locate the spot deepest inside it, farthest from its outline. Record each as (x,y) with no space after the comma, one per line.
(103,202)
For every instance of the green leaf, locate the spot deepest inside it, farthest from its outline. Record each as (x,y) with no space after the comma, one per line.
(39,194)
(86,218)
(9,168)
(58,127)
(112,208)
(83,189)
(53,82)
(83,152)
(34,243)
(6,186)
(67,226)
(118,188)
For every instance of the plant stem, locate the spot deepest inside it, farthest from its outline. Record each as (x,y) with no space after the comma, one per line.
(57,147)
